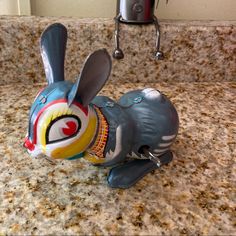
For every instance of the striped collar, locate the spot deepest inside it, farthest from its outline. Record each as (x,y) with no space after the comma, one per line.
(98,147)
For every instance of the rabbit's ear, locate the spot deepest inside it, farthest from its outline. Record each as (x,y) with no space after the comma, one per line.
(53,47)
(92,78)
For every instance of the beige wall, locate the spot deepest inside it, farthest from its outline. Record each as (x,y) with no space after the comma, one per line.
(198,9)
(8,7)
(176,9)
(15,7)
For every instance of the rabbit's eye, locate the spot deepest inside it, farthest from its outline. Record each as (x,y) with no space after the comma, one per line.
(62,128)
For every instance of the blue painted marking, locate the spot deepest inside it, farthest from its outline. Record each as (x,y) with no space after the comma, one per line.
(80,155)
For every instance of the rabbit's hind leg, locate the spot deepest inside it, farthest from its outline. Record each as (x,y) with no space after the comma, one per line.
(129,173)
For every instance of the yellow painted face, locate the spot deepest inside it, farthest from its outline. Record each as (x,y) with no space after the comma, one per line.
(64,132)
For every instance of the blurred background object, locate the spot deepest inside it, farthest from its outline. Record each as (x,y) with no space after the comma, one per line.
(175,10)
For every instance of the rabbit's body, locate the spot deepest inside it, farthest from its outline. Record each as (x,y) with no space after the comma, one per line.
(141,118)
(68,121)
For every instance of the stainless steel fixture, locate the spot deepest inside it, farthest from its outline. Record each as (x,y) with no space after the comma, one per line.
(136,12)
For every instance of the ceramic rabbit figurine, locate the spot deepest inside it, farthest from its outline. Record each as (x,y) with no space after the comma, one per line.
(68,121)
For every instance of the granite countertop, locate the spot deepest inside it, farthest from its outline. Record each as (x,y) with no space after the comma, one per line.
(195,194)
(203,51)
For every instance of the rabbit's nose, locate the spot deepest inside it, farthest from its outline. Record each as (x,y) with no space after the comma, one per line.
(27,144)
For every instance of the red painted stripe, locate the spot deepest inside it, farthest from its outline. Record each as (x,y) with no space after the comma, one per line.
(28,144)
(84,109)
(39,93)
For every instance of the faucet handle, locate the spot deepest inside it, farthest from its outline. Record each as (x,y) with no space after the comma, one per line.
(158,54)
(117,53)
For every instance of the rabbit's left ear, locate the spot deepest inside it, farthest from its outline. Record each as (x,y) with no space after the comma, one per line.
(92,78)
(53,48)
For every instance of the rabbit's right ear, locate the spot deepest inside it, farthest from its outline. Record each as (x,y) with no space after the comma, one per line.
(53,47)
(93,76)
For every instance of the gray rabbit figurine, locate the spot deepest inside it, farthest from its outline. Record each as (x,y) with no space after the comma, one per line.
(68,121)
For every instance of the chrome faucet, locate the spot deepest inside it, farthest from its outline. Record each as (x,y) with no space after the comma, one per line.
(136,12)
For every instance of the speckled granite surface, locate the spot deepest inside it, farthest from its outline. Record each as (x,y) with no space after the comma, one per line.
(194,195)
(195,51)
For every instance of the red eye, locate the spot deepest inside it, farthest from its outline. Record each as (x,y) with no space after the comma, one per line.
(71,128)
(62,128)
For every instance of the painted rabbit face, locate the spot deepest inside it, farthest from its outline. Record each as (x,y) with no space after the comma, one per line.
(61,122)
(57,129)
